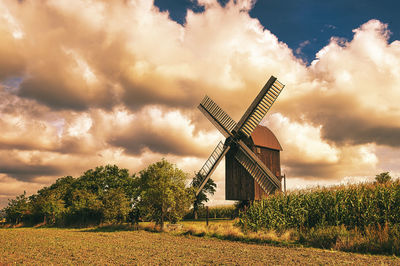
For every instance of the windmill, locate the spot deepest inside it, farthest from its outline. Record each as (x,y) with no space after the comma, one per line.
(253,178)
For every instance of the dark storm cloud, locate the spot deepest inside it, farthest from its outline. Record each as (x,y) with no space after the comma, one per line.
(160,91)
(355,131)
(27,172)
(344,119)
(65,92)
(156,142)
(165,139)
(311,171)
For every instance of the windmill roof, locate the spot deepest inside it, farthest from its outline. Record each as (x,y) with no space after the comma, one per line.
(263,137)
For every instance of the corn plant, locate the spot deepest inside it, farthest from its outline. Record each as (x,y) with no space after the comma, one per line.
(354,206)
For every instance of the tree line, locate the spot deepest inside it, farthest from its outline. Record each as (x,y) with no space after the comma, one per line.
(108,194)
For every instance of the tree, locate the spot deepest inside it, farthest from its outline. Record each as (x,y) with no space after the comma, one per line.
(383,177)
(103,178)
(163,195)
(106,192)
(115,205)
(86,208)
(201,198)
(17,209)
(50,207)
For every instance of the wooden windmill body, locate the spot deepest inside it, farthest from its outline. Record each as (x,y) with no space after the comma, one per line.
(239,184)
(252,151)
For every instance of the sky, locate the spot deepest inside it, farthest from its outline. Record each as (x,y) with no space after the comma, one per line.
(89,83)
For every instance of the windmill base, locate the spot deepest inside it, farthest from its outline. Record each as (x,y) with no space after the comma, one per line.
(239,185)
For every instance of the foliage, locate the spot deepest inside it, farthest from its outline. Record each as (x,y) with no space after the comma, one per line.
(86,208)
(107,194)
(372,239)
(218,212)
(355,206)
(163,195)
(115,205)
(17,209)
(201,198)
(49,207)
(103,194)
(383,178)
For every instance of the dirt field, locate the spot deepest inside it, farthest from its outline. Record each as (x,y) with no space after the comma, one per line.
(77,246)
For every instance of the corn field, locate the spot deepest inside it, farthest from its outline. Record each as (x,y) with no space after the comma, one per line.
(354,206)
(226,212)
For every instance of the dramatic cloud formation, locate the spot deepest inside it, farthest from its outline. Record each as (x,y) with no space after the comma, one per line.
(86,83)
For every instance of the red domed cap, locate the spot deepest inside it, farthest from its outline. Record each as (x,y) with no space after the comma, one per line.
(264,137)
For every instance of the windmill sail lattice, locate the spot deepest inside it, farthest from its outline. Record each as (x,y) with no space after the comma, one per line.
(212,163)
(217,116)
(236,133)
(263,176)
(260,106)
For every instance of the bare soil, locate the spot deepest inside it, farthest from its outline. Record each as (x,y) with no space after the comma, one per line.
(86,246)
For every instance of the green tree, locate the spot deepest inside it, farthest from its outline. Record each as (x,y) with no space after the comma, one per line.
(62,189)
(104,178)
(163,195)
(17,209)
(86,208)
(116,205)
(383,178)
(100,186)
(201,198)
(50,207)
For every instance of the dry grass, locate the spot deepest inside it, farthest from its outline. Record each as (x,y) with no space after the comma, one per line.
(122,246)
(227,230)
(372,240)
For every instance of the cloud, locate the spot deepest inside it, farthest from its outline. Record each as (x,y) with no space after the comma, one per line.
(353,89)
(301,46)
(12,61)
(163,132)
(26,166)
(119,82)
(308,155)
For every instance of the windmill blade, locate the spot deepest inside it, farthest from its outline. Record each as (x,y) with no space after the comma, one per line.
(221,120)
(256,168)
(259,107)
(211,164)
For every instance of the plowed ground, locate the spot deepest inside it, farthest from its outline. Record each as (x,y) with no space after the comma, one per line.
(83,246)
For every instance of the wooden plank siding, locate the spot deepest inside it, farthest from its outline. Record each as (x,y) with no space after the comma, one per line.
(239,185)
(271,158)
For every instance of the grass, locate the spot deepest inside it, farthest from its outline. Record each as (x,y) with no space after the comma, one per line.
(370,240)
(119,245)
(226,230)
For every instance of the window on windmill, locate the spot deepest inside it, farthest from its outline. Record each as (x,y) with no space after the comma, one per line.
(258,150)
